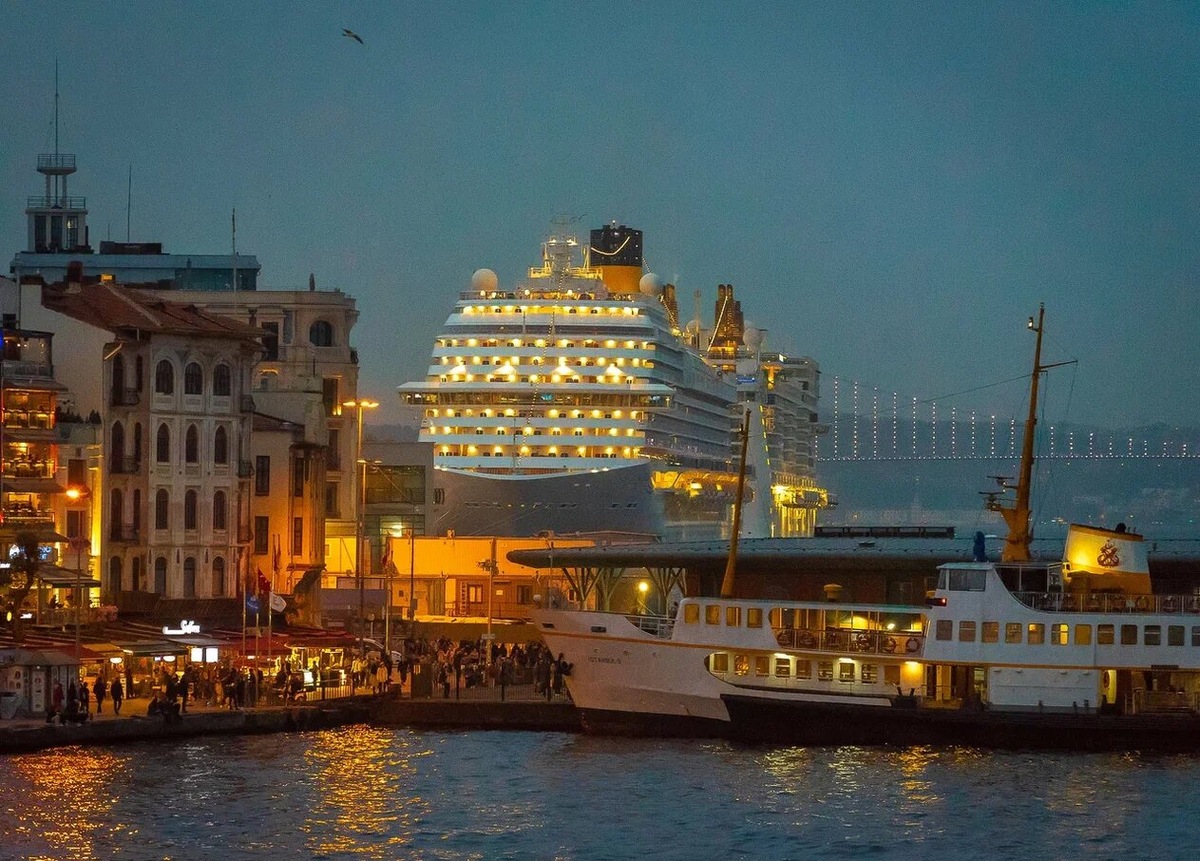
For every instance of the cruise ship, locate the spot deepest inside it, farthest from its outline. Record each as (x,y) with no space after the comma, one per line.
(576,401)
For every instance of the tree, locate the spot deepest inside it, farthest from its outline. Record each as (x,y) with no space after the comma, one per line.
(19,579)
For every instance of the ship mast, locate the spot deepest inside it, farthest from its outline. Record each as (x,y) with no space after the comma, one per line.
(731,562)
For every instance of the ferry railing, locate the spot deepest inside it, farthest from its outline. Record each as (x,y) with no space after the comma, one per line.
(1145,702)
(852,641)
(656,626)
(1104,602)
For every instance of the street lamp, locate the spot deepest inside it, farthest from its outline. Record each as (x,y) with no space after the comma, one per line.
(361,506)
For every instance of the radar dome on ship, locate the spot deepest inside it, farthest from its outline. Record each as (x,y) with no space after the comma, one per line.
(651,284)
(484,280)
(752,337)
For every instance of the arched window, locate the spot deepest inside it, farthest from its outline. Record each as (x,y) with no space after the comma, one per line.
(191,445)
(137,510)
(162,444)
(189,577)
(116,462)
(221,445)
(118,379)
(320,334)
(136,567)
(218,577)
(164,378)
(189,510)
(193,379)
(160,575)
(138,373)
(162,509)
(114,575)
(219,511)
(222,384)
(116,511)
(137,443)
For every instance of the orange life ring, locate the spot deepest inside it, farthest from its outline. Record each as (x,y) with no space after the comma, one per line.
(889,645)
(912,644)
(783,638)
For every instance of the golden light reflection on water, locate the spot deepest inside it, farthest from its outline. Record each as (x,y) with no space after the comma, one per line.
(62,803)
(364,781)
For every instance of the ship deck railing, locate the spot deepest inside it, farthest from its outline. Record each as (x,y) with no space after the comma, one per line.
(851,641)
(1165,702)
(1104,602)
(656,626)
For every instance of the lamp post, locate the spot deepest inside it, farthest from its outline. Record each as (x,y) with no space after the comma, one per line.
(360,514)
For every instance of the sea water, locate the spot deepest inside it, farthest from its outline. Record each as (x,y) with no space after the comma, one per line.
(359,792)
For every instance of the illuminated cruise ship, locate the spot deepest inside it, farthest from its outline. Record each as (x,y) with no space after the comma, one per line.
(576,402)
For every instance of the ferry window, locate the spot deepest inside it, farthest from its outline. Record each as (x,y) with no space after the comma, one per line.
(733,616)
(1012,632)
(1129,635)
(775,617)
(1196,635)
(870,673)
(991,632)
(1060,634)
(891,674)
(754,617)
(1104,635)
(971,580)
(762,665)
(845,671)
(783,667)
(1037,633)
(1083,635)
(712,614)
(803,669)
(966,632)
(691,614)
(720,662)
(945,629)
(825,671)
(741,665)
(1152,636)
(1175,635)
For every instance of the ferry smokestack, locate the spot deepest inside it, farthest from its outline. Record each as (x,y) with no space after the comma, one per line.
(616,250)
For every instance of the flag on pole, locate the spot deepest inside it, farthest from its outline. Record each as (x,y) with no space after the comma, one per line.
(387,554)
(264,585)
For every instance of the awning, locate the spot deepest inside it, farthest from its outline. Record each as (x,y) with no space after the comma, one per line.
(53,575)
(152,648)
(197,640)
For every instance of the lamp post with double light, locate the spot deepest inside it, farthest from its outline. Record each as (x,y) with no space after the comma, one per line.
(360,513)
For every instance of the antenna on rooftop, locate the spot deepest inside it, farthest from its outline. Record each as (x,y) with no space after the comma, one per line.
(233,227)
(128,202)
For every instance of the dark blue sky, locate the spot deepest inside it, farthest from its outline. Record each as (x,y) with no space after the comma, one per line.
(891,188)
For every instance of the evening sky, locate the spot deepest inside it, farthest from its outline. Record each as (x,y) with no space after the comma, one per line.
(892,188)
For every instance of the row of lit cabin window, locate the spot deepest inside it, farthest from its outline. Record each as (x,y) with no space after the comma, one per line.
(530,414)
(1034,633)
(782,667)
(532,431)
(621,311)
(528,451)
(539,361)
(780,617)
(565,343)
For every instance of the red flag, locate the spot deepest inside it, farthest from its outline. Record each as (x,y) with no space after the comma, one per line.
(264,585)
(387,554)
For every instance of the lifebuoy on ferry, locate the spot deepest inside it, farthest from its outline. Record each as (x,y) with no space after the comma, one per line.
(1142,604)
(807,640)
(1169,605)
(862,642)
(889,645)
(1194,605)
(783,638)
(912,644)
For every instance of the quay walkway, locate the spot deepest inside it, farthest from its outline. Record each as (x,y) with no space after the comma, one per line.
(467,708)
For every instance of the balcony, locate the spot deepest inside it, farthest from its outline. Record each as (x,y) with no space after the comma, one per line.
(125,398)
(128,464)
(245,469)
(44,469)
(15,515)
(55,202)
(125,533)
(56,161)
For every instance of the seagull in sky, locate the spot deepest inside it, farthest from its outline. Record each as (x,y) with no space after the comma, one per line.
(353,35)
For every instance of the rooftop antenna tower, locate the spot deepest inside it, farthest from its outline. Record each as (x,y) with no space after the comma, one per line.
(128,202)
(57,222)
(233,239)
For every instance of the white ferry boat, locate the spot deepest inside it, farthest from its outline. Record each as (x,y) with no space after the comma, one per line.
(577,401)
(1013,653)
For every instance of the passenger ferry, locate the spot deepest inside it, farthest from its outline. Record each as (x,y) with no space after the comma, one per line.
(1075,653)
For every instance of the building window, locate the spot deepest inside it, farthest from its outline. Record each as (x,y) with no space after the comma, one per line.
(218,577)
(191,445)
(193,379)
(945,629)
(991,632)
(1106,635)
(762,665)
(117,459)
(297,536)
(320,334)
(222,382)
(720,662)
(825,671)
(77,472)
(221,445)
(220,510)
(754,617)
(262,535)
(1083,635)
(333,457)
(298,476)
(162,509)
(1152,635)
(733,616)
(1037,633)
(262,475)
(160,575)
(1012,632)
(136,571)
(966,632)
(1129,635)
(75,524)
(712,614)
(329,396)
(332,508)
(116,506)
(691,614)
(803,669)
(114,575)
(1059,634)
(162,444)
(137,510)
(524,594)
(783,668)
(1175,635)
(270,341)
(164,378)
(189,510)
(189,577)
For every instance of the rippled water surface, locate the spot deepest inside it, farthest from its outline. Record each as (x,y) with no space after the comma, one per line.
(374,793)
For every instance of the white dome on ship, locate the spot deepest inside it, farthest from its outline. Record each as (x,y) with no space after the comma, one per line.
(651,284)
(752,337)
(484,280)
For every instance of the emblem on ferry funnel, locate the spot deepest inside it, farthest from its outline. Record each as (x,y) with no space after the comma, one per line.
(1109,557)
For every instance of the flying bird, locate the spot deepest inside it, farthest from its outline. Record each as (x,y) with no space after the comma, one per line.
(353,35)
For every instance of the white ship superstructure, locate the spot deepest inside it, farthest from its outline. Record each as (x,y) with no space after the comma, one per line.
(579,371)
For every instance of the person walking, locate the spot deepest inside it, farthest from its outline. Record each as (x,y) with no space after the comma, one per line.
(100,690)
(118,694)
